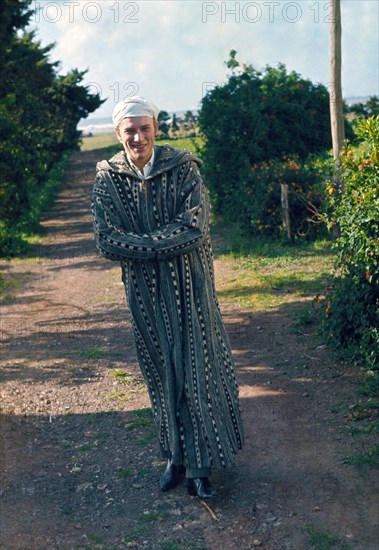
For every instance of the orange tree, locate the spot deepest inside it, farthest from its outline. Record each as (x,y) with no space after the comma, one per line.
(351,320)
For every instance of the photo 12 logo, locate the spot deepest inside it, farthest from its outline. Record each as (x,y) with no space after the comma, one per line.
(89,12)
(119,90)
(253,12)
(207,87)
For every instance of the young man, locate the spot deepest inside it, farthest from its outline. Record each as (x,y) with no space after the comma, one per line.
(151,213)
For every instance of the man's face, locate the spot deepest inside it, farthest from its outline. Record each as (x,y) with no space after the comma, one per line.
(137,134)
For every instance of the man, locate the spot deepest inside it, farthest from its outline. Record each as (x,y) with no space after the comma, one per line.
(151,213)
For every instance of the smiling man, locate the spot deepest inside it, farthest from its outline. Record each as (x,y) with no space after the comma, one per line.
(151,213)
(137,134)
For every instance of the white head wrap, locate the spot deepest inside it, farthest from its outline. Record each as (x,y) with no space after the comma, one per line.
(132,107)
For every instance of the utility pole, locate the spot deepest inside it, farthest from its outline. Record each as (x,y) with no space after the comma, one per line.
(335,94)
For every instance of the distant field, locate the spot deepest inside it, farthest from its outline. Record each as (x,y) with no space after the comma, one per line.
(98,141)
(109,143)
(182,143)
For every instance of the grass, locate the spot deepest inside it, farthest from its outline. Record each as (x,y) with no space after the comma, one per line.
(125,473)
(179,546)
(99,141)
(273,274)
(108,143)
(190,144)
(266,275)
(96,353)
(323,540)
(142,473)
(94,441)
(127,378)
(134,533)
(142,418)
(120,374)
(132,385)
(11,283)
(304,318)
(142,423)
(148,517)
(363,410)
(363,430)
(367,459)
(95,538)
(370,385)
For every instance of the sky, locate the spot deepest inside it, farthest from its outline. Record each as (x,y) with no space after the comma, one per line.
(174,51)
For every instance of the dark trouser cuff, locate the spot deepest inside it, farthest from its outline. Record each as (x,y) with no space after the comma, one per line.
(198,472)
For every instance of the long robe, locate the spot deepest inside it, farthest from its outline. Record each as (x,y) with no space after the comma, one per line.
(158,228)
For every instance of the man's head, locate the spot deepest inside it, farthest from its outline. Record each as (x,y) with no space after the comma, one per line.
(136,125)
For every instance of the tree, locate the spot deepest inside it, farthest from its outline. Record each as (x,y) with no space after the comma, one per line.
(189,118)
(70,103)
(163,119)
(367,109)
(174,123)
(39,112)
(254,118)
(14,15)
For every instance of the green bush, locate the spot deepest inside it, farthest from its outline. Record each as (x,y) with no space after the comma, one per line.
(352,303)
(259,130)
(36,129)
(14,239)
(306,195)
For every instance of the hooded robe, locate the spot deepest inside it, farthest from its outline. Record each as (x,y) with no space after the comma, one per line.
(158,229)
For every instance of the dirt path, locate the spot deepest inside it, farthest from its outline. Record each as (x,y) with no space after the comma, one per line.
(80,464)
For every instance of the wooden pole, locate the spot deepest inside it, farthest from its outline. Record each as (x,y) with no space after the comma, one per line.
(285,209)
(335,96)
(335,93)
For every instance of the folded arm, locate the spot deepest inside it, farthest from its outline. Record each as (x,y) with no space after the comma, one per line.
(181,235)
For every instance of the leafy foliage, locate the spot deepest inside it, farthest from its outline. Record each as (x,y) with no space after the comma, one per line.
(163,119)
(352,311)
(305,181)
(369,108)
(256,126)
(39,113)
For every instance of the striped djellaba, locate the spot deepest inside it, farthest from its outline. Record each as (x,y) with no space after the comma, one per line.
(158,228)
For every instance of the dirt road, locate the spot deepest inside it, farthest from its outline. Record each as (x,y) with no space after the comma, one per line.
(79,457)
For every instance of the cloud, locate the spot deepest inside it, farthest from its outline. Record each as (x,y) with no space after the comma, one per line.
(172,50)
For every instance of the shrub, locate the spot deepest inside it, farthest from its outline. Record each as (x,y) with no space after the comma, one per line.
(36,129)
(257,127)
(352,304)
(306,195)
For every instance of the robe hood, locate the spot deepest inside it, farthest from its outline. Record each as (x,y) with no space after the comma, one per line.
(166,157)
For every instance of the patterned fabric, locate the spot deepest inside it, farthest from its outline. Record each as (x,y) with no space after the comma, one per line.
(159,230)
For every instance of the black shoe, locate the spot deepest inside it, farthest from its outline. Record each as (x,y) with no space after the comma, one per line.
(171,476)
(200,487)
